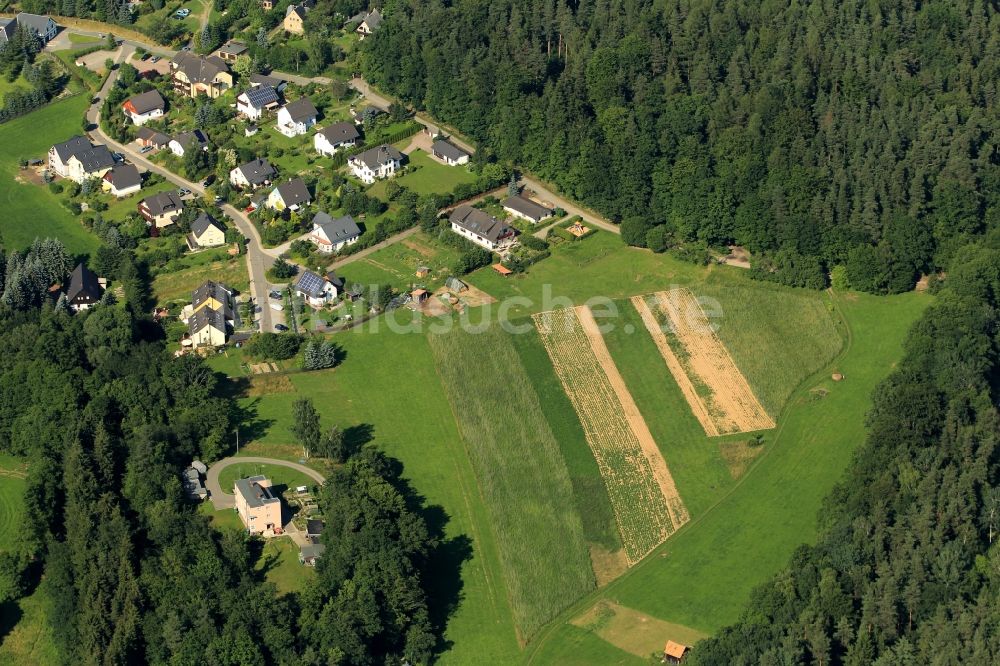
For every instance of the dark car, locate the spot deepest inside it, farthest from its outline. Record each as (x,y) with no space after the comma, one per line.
(280,327)
(208,181)
(274,293)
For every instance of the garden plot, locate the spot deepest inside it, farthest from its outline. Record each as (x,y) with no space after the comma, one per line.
(713,386)
(643,495)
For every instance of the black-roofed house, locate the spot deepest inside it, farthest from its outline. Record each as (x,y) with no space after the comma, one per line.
(232,50)
(375,163)
(195,75)
(253,174)
(526,209)
(316,290)
(147,137)
(333,137)
(122,180)
(78,160)
(292,194)
(481,228)
(275,82)
(144,107)
(332,234)
(185,141)
(206,231)
(85,289)
(369,24)
(253,102)
(449,153)
(297,117)
(161,209)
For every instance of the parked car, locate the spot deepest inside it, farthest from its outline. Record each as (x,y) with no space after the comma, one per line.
(145,57)
(208,181)
(146,149)
(280,327)
(155,59)
(277,306)
(274,293)
(183,191)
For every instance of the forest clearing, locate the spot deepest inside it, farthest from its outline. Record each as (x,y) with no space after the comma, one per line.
(646,503)
(719,395)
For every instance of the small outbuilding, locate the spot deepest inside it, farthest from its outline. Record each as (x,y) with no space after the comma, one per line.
(674,653)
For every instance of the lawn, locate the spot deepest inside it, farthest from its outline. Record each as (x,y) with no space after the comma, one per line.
(387,389)
(77,38)
(279,562)
(180,283)
(11,507)
(30,640)
(397,264)
(427,176)
(521,471)
(702,577)
(8,86)
(282,478)
(30,210)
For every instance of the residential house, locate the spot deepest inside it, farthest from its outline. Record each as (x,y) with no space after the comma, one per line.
(316,290)
(207,327)
(295,17)
(333,137)
(370,23)
(674,653)
(161,209)
(297,117)
(480,227)
(195,75)
(310,553)
(314,528)
(253,174)
(253,102)
(144,107)
(186,141)
(330,235)
(526,209)
(147,137)
(216,296)
(375,163)
(231,50)
(191,480)
(275,82)
(367,114)
(85,289)
(292,194)
(449,153)
(258,507)
(206,231)
(78,160)
(122,180)
(42,26)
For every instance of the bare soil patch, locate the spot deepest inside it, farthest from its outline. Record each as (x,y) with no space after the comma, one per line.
(738,456)
(716,390)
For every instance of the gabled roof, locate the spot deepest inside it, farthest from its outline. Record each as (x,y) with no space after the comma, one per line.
(373,20)
(148,134)
(265,80)
(448,149)
(260,96)
(300,110)
(336,230)
(479,222)
(40,24)
(255,494)
(232,47)
(207,317)
(83,286)
(675,650)
(310,284)
(455,284)
(294,192)
(145,102)
(527,207)
(335,280)
(377,156)
(190,139)
(203,222)
(258,171)
(298,9)
(215,291)
(91,157)
(7,29)
(123,176)
(314,526)
(312,551)
(340,132)
(163,202)
(199,69)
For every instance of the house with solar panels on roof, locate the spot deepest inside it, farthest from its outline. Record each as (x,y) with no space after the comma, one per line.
(331,235)
(254,102)
(317,290)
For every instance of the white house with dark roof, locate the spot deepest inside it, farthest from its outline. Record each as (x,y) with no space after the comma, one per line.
(526,209)
(332,138)
(449,153)
(253,174)
(122,180)
(144,107)
(317,291)
(161,209)
(369,24)
(376,163)
(206,231)
(207,327)
(78,160)
(85,289)
(297,117)
(481,228)
(252,103)
(331,235)
(42,26)
(292,194)
(193,140)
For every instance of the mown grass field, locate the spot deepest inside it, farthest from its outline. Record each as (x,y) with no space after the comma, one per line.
(279,562)
(424,175)
(387,388)
(30,210)
(702,577)
(523,477)
(285,477)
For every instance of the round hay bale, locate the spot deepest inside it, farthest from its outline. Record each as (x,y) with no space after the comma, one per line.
(837,377)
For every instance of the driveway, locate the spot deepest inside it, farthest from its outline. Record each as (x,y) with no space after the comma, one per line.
(588,216)
(221,499)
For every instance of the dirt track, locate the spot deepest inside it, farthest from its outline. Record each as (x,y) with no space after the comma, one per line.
(727,404)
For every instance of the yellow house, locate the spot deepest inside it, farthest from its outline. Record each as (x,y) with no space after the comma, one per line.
(206,232)
(295,17)
(207,327)
(195,75)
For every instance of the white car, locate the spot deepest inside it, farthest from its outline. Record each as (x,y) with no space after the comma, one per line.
(277,306)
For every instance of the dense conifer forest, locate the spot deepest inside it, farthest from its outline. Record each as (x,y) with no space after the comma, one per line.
(816,134)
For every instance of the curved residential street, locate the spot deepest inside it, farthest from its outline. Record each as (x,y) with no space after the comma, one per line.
(222,499)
